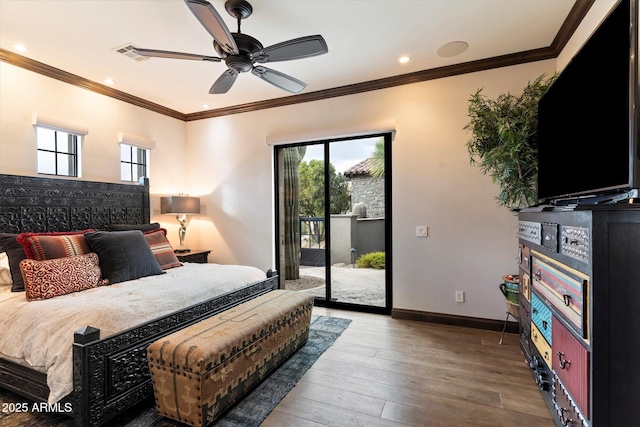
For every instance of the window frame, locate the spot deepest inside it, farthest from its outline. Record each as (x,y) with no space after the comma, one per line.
(73,152)
(145,153)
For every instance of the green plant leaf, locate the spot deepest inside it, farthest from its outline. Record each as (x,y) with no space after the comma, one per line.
(503,141)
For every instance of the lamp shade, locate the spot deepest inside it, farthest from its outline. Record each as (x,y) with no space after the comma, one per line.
(179,205)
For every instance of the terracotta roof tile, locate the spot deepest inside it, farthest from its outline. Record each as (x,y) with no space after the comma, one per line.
(362,168)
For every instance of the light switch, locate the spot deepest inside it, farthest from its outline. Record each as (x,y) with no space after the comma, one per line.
(422,231)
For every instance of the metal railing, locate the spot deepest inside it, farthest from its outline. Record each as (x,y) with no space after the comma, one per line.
(312,232)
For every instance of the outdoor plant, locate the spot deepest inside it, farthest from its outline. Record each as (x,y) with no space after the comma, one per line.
(371,260)
(292,158)
(504,141)
(312,189)
(377,159)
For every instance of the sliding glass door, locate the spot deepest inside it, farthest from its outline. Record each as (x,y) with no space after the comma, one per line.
(333,221)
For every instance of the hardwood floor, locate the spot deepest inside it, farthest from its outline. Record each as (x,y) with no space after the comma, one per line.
(389,372)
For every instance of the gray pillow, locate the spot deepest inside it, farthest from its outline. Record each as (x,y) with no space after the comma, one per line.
(141,227)
(15,254)
(123,255)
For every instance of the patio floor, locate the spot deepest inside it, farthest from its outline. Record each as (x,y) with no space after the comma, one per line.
(351,285)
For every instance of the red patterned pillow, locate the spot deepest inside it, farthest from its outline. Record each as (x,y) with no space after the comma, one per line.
(161,248)
(42,246)
(60,276)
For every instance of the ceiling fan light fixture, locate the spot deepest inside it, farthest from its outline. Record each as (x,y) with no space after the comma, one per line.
(452,49)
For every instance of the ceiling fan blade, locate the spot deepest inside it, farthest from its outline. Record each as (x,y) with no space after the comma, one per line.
(175,55)
(302,47)
(224,82)
(213,23)
(278,79)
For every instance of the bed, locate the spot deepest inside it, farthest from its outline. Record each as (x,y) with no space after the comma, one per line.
(88,364)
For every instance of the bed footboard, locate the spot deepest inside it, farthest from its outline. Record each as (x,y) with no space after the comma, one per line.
(23,381)
(112,374)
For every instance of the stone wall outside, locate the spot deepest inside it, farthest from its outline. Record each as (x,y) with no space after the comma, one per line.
(369,191)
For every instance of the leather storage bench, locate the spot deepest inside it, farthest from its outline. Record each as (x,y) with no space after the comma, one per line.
(203,369)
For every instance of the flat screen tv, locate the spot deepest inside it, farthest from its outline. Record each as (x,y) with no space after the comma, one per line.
(587,121)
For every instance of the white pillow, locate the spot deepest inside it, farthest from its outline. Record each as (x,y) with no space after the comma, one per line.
(5,273)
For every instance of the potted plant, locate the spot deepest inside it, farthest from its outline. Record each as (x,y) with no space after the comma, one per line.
(504,144)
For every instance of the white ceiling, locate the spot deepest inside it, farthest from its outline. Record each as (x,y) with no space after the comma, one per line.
(365,39)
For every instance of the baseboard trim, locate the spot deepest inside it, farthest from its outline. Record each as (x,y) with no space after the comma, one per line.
(454,320)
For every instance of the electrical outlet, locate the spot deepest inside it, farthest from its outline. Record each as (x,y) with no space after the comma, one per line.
(422,231)
(459,296)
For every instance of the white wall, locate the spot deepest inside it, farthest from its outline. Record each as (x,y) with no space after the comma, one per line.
(226,161)
(24,92)
(471,242)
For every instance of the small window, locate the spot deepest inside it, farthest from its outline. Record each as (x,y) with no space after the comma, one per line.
(134,162)
(58,152)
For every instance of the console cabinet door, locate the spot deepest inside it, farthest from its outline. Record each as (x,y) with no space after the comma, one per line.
(571,364)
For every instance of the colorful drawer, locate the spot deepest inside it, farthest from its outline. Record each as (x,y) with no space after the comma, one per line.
(542,345)
(524,258)
(566,409)
(541,317)
(525,285)
(525,326)
(571,364)
(563,288)
(525,316)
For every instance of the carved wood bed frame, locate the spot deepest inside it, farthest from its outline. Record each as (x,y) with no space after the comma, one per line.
(111,374)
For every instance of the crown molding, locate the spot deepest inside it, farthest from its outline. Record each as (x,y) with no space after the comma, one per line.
(403,79)
(64,76)
(575,16)
(569,26)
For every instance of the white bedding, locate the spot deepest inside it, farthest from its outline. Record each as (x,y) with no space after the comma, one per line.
(39,334)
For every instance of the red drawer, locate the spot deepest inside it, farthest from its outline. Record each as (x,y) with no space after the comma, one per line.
(571,364)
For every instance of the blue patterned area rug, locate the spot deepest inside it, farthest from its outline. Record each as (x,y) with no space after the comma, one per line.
(249,412)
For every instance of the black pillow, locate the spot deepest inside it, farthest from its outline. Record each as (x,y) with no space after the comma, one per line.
(15,254)
(123,255)
(141,227)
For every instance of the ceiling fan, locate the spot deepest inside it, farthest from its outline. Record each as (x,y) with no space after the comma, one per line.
(242,52)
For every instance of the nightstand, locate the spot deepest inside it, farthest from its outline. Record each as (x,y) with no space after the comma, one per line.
(195,255)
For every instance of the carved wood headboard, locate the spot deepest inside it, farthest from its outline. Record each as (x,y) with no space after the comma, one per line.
(38,204)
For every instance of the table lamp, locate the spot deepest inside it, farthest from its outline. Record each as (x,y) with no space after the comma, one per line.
(181,206)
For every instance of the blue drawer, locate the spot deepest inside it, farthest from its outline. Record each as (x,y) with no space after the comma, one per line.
(541,317)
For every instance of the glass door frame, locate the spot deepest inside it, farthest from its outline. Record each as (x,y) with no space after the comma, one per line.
(327,301)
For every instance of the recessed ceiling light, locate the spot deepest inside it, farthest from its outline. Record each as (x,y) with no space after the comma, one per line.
(109,81)
(404,59)
(452,49)
(205,105)
(20,47)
